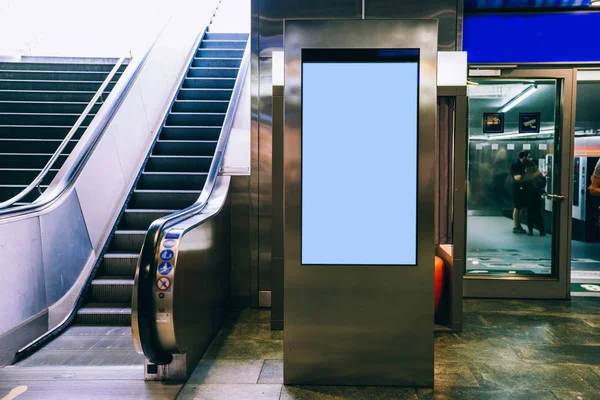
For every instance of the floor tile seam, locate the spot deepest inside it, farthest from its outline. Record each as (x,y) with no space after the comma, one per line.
(530,313)
(83,350)
(84,380)
(260,372)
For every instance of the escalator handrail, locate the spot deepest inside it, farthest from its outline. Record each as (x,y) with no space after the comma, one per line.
(144,332)
(99,124)
(66,140)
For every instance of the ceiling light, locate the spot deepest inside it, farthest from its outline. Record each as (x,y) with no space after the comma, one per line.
(519,98)
(595,3)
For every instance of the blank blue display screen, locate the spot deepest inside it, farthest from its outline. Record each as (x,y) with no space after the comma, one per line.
(532,38)
(359,158)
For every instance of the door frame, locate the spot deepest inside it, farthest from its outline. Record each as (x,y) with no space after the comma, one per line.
(537,287)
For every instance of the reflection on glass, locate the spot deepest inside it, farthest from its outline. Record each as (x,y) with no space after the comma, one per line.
(585,263)
(509,222)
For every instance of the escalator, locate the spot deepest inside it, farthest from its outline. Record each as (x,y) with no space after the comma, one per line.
(39,103)
(172,179)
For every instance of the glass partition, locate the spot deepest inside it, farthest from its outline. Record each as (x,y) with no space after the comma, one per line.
(585,253)
(511,142)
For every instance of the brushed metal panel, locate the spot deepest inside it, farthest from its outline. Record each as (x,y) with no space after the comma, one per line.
(130,130)
(254,157)
(277,228)
(360,325)
(265,172)
(23,288)
(240,241)
(19,336)
(444,10)
(101,182)
(273,12)
(66,247)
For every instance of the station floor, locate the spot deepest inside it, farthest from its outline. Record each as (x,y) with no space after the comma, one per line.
(492,247)
(510,349)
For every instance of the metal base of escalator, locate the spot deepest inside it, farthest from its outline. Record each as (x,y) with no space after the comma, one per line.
(87,346)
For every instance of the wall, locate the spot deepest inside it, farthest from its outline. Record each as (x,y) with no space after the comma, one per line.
(267,36)
(75,28)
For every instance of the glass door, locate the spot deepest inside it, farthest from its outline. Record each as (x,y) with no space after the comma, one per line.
(518,166)
(585,223)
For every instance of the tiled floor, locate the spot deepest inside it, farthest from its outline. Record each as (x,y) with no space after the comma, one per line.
(509,350)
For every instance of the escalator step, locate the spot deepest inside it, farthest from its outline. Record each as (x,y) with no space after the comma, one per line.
(109,289)
(24,176)
(9,191)
(82,86)
(220,53)
(38,132)
(53,107)
(179,163)
(127,241)
(105,314)
(50,119)
(217,62)
(27,160)
(119,264)
(172,180)
(141,219)
(60,66)
(200,106)
(47,95)
(214,72)
(204,94)
(222,44)
(162,199)
(193,119)
(209,83)
(190,133)
(48,146)
(185,147)
(45,75)
(225,36)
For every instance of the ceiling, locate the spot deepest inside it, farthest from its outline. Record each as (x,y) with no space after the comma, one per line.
(492,96)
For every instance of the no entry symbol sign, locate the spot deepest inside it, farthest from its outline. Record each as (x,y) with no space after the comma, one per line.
(163,283)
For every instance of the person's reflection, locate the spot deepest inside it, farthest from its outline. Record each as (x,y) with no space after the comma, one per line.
(517,170)
(534,185)
(499,177)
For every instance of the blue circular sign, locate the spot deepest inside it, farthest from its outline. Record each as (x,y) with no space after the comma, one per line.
(165,268)
(166,255)
(167,244)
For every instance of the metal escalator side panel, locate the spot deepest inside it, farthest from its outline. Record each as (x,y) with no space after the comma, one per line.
(147,334)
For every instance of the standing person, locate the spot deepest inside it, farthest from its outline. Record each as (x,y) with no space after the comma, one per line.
(594,188)
(517,170)
(534,183)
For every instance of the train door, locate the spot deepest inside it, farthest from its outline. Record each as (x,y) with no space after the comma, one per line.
(585,259)
(519,183)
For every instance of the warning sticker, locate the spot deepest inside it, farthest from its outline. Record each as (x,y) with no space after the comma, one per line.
(163,283)
(163,317)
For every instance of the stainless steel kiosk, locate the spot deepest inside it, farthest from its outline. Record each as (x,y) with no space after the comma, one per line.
(359,171)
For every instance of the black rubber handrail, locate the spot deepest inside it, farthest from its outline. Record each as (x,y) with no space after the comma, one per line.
(143,326)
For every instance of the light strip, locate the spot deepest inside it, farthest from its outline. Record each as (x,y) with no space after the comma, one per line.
(516,100)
